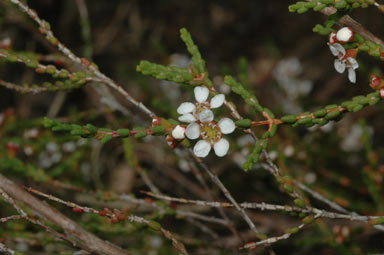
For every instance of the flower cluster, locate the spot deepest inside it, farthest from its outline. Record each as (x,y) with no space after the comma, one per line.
(345,59)
(201,124)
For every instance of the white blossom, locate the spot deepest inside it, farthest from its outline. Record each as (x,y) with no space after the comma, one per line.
(343,61)
(201,124)
(344,35)
(178,132)
(211,135)
(201,109)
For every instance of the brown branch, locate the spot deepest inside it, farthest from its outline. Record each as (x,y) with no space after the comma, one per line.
(70,227)
(113,215)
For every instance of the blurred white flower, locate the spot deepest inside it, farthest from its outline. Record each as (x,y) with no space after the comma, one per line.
(286,73)
(352,140)
(289,151)
(172,89)
(273,155)
(69,146)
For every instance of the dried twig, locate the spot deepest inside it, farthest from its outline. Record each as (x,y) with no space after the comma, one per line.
(24,215)
(210,196)
(70,227)
(275,239)
(133,218)
(269,207)
(6,250)
(12,217)
(22,89)
(226,193)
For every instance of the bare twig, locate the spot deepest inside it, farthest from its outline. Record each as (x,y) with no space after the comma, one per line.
(70,227)
(22,89)
(210,196)
(270,207)
(12,217)
(179,212)
(6,250)
(275,239)
(226,193)
(24,215)
(179,246)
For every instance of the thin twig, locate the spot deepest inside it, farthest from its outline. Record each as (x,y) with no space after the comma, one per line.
(12,217)
(180,212)
(275,239)
(226,193)
(35,221)
(6,250)
(202,181)
(132,218)
(22,89)
(270,207)
(70,227)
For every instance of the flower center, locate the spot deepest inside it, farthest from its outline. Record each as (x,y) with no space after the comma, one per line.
(210,132)
(200,107)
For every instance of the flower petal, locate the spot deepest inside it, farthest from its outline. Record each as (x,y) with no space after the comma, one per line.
(339,48)
(352,75)
(353,63)
(185,108)
(201,149)
(193,131)
(344,34)
(201,94)
(333,49)
(178,132)
(226,125)
(339,66)
(187,118)
(221,147)
(217,101)
(206,115)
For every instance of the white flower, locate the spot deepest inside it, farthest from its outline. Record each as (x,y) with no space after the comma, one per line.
(201,123)
(178,132)
(201,109)
(343,61)
(211,134)
(344,35)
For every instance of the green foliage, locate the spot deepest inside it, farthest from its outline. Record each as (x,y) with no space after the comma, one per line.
(318,5)
(104,135)
(247,96)
(69,80)
(26,170)
(161,72)
(197,60)
(332,112)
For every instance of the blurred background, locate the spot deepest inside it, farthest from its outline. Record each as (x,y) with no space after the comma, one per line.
(271,51)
